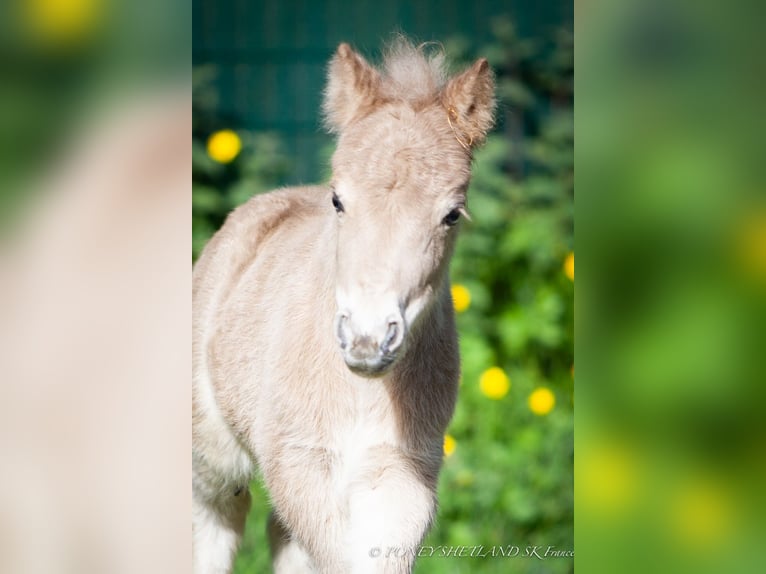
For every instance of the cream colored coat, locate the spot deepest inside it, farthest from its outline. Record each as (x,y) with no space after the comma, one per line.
(325,352)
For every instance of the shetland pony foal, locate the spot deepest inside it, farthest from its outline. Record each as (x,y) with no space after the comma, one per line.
(325,350)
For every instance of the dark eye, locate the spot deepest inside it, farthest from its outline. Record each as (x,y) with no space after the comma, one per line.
(337,204)
(452,217)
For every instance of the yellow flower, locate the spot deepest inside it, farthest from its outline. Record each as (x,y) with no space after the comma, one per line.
(63,21)
(702,515)
(450,444)
(752,245)
(223,146)
(569,266)
(494,383)
(541,401)
(461,297)
(607,478)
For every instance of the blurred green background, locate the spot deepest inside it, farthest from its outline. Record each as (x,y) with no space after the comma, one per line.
(258,79)
(671,431)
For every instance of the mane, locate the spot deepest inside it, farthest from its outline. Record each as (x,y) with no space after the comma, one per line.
(411,75)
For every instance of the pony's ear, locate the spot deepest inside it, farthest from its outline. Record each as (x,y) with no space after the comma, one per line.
(469,99)
(352,88)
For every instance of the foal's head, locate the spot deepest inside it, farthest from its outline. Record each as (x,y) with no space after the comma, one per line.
(400,173)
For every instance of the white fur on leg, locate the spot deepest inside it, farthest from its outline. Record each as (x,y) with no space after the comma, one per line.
(287,555)
(216,537)
(291,558)
(387,523)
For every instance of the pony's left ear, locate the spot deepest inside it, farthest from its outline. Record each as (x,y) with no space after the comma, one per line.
(469,99)
(352,88)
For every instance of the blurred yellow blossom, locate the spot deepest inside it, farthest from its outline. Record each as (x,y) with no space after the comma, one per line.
(701,514)
(461,297)
(450,444)
(63,21)
(752,244)
(223,146)
(569,266)
(607,478)
(541,401)
(494,383)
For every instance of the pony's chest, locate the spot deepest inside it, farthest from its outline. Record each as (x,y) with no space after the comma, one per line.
(358,442)
(362,446)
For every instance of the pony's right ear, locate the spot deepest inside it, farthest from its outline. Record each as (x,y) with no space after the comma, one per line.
(352,88)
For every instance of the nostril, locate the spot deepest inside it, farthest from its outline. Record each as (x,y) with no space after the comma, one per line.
(391,340)
(340,323)
(390,335)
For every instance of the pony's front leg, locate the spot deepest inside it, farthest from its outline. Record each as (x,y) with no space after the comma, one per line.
(389,515)
(307,526)
(217,527)
(288,556)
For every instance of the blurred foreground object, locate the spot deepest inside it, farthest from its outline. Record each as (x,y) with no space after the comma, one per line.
(62,22)
(671,325)
(94,286)
(94,345)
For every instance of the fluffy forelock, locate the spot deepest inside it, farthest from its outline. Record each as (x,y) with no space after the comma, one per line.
(411,74)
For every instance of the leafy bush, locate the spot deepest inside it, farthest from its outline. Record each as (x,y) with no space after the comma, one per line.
(508,478)
(219,186)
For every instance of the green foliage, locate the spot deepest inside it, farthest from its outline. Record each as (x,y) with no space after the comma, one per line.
(218,188)
(509,480)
